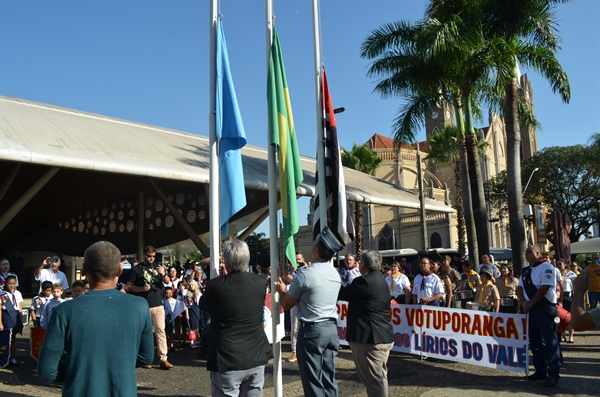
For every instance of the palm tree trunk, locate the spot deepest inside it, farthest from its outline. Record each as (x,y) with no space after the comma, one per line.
(460,214)
(467,204)
(513,176)
(476,182)
(465,190)
(358,226)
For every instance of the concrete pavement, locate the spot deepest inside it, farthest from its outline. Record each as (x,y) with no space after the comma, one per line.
(408,376)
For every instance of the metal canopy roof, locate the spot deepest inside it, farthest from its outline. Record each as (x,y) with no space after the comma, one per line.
(105,161)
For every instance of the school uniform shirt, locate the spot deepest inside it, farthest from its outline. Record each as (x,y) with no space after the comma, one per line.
(426,287)
(15,298)
(400,283)
(542,274)
(568,281)
(47,310)
(37,303)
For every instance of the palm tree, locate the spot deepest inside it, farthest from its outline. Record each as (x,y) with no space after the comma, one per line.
(410,62)
(522,31)
(360,158)
(444,149)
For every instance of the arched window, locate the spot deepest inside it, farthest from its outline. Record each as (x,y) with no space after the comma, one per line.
(435,241)
(386,238)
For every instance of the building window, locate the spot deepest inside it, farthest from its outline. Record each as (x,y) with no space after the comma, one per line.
(435,240)
(386,238)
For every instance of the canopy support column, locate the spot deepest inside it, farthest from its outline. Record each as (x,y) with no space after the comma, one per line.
(26,197)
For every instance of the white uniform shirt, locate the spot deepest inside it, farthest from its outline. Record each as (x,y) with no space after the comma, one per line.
(568,281)
(542,274)
(400,283)
(432,286)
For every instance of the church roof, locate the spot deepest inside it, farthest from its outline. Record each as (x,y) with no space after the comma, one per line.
(378,141)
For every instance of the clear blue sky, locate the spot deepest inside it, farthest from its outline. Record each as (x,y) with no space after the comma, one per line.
(147,61)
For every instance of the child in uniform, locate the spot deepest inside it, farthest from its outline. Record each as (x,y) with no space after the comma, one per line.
(57,291)
(11,302)
(37,303)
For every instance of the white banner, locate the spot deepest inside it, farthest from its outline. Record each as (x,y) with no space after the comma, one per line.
(493,340)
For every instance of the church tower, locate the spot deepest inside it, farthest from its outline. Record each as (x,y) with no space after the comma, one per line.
(529,145)
(439,117)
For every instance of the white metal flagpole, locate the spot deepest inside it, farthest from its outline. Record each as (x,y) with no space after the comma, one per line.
(215,223)
(274,255)
(321,190)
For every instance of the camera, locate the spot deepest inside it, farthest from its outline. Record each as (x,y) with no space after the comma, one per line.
(54,259)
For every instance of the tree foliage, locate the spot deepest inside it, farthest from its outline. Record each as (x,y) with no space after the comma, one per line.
(364,159)
(260,249)
(568,180)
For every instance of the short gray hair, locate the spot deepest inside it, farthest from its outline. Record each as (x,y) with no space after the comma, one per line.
(535,248)
(236,255)
(371,259)
(102,260)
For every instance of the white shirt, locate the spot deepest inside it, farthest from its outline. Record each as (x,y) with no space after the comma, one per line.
(48,275)
(352,274)
(432,287)
(542,274)
(400,283)
(492,267)
(568,281)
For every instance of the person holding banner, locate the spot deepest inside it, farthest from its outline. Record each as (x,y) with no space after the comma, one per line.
(427,288)
(369,331)
(537,295)
(316,289)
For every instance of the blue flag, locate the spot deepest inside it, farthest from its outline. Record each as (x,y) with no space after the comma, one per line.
(231,136)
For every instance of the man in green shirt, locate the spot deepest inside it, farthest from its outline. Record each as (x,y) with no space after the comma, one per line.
(84,333)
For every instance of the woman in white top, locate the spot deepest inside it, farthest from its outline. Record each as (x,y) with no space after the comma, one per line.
(398,284)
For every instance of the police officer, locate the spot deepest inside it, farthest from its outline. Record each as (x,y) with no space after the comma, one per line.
(537,294)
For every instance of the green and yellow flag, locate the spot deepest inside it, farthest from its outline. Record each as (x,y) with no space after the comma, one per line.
(283,135)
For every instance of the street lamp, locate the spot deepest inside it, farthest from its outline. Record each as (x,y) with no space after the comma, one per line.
(529,212)
(529,180)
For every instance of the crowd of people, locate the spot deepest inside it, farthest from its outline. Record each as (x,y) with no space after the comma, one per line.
(168,301)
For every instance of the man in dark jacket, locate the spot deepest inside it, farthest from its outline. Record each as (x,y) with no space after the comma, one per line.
(238,347)
(369,331)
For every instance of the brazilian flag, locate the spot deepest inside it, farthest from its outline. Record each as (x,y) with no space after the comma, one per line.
(283,135)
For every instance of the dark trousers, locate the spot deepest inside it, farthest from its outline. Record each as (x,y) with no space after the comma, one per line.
(318,345)
(205,330)
(543,339)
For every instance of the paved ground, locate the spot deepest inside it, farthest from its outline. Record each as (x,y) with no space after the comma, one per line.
(408,376)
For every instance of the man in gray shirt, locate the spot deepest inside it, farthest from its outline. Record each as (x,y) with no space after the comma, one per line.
(316,288)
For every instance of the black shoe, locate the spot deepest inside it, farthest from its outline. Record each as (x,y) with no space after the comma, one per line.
(538,376)
(551,382)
